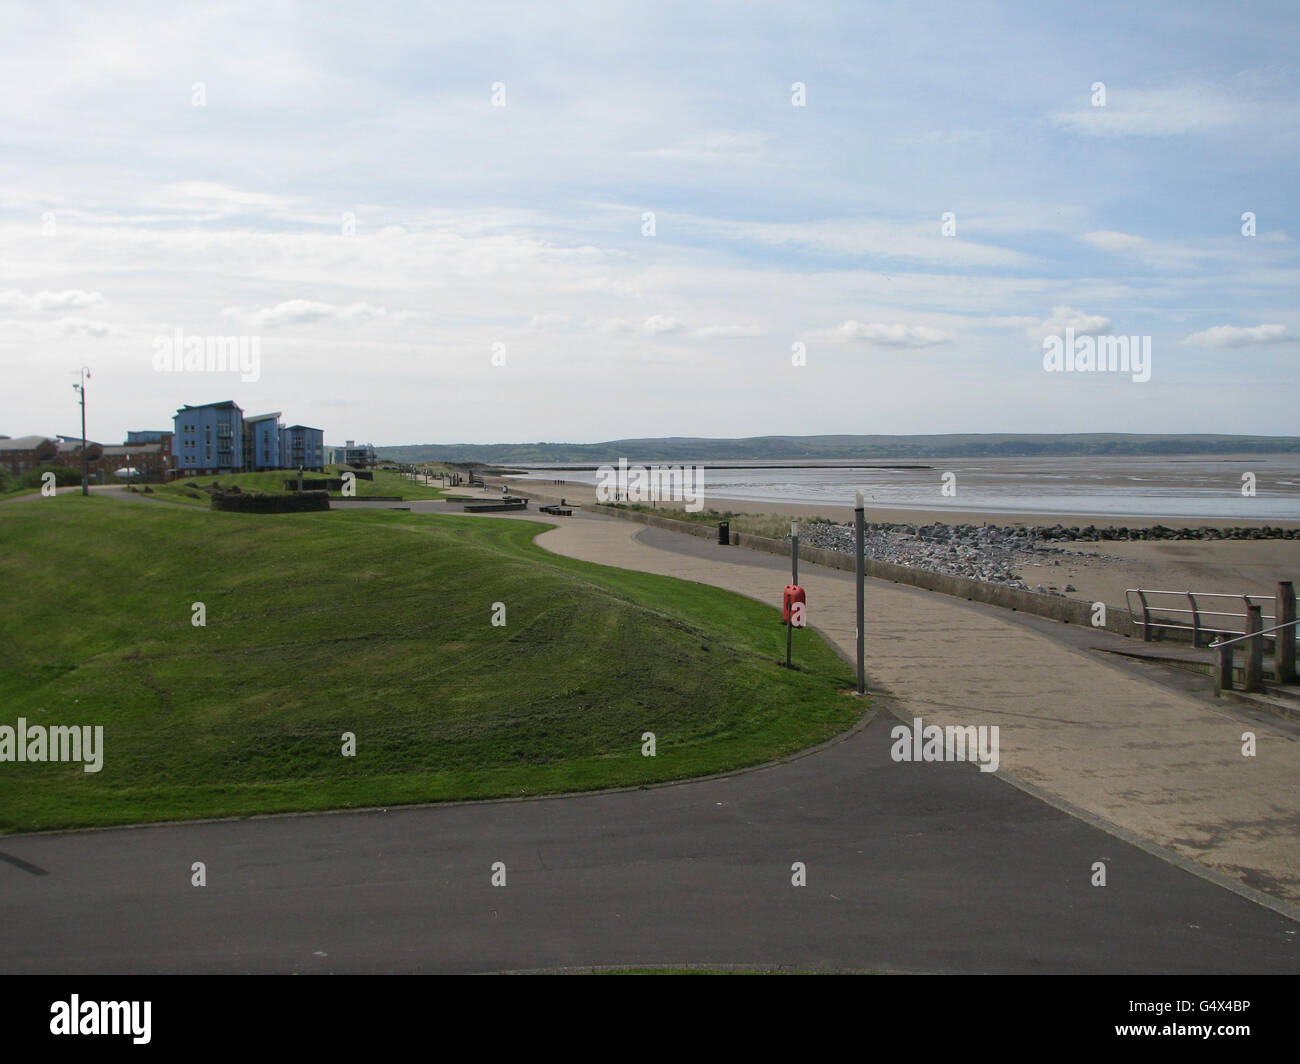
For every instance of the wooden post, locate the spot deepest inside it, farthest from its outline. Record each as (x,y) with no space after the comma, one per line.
(1223,667)
(1254,649)
(1284,638)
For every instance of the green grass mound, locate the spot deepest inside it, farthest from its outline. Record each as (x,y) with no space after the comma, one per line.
(272,482)
(376,623)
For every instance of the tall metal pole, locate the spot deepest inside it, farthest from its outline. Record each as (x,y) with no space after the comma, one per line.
(858,514)
(81,392)
(794,579)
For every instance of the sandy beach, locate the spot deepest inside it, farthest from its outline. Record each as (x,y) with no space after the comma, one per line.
(585,494)
(1099,572)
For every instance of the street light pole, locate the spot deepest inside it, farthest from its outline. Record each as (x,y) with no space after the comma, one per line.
(858,514)
(81,392)
(794,579)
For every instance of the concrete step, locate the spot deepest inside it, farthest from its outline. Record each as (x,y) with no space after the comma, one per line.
(1281,700)
(1202,661)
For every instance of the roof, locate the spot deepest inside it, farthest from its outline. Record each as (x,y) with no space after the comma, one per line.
(139,448)
(26,443)
(224,404)
(248,420)
(291,428)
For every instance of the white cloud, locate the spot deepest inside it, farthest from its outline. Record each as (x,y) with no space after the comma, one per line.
(1239,336)
(715,147)
(610,326)
(1013,321)
(1110,240)
(84,327)
(1156,254)
(404,316)
(209,199)
(660,323)
(888,335)
(654,325)
(72,299)
(1164,112)
(548,321)
(726,332)
(1063,318)
(920,242)
(305,311)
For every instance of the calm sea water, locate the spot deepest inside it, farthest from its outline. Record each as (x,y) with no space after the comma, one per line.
(1185,487)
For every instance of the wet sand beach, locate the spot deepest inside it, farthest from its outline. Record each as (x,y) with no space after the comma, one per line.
(1100,572)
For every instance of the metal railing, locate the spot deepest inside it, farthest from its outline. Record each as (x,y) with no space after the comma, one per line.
(1252,635)
(1197,612)
(1282,633)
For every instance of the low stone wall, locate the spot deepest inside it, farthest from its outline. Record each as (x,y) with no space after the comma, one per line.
(252,502)
(315,484)
(1056,607)
(691,528)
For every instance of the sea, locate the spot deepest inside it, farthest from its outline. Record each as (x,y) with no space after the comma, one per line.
(1257,488)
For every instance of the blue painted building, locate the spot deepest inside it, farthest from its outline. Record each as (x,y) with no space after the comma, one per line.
(302,446)
(262,435)
(208,439)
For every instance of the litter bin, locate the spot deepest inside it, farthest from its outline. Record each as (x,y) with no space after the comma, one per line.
(724,533)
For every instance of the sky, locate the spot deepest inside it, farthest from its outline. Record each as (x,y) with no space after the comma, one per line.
(577,222)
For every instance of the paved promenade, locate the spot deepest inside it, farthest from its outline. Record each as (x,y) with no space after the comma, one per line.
(1164,766)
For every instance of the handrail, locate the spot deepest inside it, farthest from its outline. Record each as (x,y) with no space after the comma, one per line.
(1143,620)
(1252,635)
(1201,594)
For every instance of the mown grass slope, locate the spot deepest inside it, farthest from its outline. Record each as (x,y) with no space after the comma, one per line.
(385,482)
(376,623)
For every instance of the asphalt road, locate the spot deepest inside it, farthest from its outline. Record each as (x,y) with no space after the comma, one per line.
(910,867)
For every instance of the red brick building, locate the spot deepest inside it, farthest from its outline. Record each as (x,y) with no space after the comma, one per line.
(22,453)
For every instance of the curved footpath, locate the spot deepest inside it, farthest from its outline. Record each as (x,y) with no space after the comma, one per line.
(1164,766)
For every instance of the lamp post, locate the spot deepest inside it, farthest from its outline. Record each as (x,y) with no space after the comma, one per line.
(81,393)
(794,579)
(858,514)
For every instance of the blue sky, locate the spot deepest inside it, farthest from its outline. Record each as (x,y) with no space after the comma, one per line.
(129,212)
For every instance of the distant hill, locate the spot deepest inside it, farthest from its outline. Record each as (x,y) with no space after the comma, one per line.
(756,448)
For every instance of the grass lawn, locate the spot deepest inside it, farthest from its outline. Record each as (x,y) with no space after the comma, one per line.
(376,623)
(272,482)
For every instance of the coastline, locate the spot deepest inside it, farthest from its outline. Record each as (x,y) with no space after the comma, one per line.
(585,494)
(1096,572)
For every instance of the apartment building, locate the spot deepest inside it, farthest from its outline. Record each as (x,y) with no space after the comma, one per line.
(262,435)
(301,445)
(208,439)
